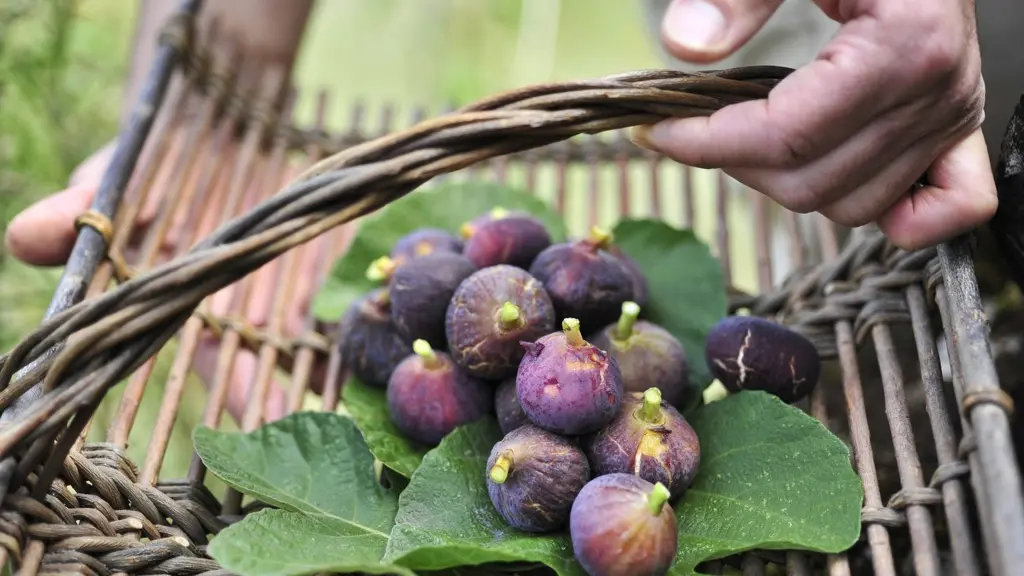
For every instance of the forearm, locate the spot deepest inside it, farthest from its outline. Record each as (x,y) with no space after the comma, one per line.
(269,30)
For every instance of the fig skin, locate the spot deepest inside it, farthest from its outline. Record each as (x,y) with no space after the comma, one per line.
(584,280)
(513,238)
(423,241)
(533,477)
(369,343)
(490,312)
(429,396)
(647,355)
(641,288)
(506,406)
(650,439)
(567,385)
(420,292)
(751,353)
(622,525)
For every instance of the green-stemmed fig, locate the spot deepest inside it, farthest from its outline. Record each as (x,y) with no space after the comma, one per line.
(751,353)
(429,396)
(584,280)
(506,407)
(647,355)
(533,477)
(566,384)
(423,241)
(513,238)
(370,345)
(420,292)
(649,439)
(623,525)
(490,312)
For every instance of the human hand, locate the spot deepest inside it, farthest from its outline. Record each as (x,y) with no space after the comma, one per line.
(897,93)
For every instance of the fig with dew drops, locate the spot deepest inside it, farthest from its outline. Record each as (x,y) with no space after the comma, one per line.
(369,344)
(533,477)
(567,385)
(428,396)
(751,353)
(423,241)
(647,355)
(513,238)
(490,313)
(506,406)
(623,525)
(584,280)
(649,439)
(420,292)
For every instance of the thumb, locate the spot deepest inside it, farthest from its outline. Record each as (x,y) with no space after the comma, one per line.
(704,31)
(44,233)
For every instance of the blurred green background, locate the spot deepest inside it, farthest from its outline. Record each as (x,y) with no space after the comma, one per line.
(62,64)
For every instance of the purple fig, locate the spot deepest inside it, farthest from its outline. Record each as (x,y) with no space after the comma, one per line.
(584,280)
(533,477)
(647,355)
(513,238)
(429,396)
(650,439)
(420,292)
(567,385)
(423,241)
(490,312)
(751,353)
(641,290)
(623,525)
(369,343)
(506,406)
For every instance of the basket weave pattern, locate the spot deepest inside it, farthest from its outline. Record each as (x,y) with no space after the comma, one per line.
(86,508)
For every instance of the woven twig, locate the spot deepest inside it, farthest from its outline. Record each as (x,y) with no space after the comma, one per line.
(119,330)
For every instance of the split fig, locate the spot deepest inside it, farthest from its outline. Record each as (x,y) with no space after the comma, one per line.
(533,477)
(751,353)
(623,525)
(429,396)
(584,280)
(649,439)
(423,241)
(420,292)
(567,385)
(513,238)
(490,312)
(647,355)
(369,343)
(506,407)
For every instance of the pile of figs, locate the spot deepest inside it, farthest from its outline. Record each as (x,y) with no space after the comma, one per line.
(547,336)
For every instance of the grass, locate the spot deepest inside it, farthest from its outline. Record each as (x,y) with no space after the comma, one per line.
(62,63)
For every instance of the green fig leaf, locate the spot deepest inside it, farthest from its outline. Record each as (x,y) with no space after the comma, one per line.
(446,206)
(368,407)
(783,482)
(333,515)
(687,287)
(446,519)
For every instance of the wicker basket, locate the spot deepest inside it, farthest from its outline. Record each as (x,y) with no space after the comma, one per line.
(942,497)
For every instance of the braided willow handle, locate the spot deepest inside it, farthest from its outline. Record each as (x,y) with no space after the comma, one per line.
(116,332)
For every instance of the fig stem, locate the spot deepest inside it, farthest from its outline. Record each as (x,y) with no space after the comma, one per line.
(599,237)
(651,409)
(380,269)
(502,466)
(423,349)
(509,317)
(466,230)
(630,312)
(571,327)
(657,498)
(498,212)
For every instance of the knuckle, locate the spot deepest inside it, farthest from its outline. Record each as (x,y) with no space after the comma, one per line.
(799,197)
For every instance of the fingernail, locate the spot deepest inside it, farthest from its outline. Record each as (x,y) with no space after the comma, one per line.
(694,24)
(641,136)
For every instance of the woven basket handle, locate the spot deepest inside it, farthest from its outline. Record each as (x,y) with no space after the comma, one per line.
(117,331)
